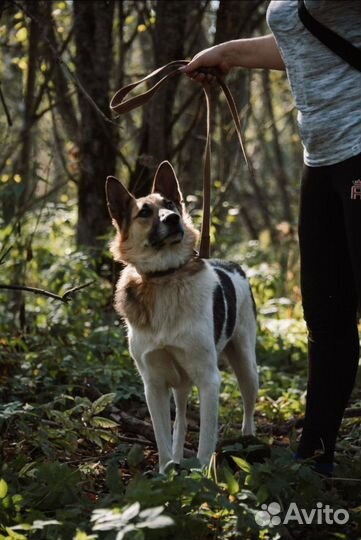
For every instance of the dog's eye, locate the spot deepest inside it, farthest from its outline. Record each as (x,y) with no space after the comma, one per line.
(169,205)
(145,212)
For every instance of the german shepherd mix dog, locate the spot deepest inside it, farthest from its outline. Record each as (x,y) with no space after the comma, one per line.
(182,313)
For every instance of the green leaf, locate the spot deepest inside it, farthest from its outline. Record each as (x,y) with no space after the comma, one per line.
(232,484)
(27,468)
(113,480)
(14,535)
(22,527)
(262,494)
(242,464)
(108,437)
(94,437)
(3,488)
(100,421)
(81,535)
(247,480)
(101,403)
(135,455)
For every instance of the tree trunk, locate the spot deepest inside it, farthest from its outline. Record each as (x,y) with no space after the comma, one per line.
(64,102)
(234,21)
(24,163)
(93,22)
(280,168)
(156,145)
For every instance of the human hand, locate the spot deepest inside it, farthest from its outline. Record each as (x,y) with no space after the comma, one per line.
(209,64)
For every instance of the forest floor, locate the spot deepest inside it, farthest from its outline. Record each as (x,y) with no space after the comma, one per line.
(78,459)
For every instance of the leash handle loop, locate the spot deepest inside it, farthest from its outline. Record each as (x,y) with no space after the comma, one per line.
(121,105)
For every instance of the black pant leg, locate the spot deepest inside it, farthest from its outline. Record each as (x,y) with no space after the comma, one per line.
(329,301)
(347,182)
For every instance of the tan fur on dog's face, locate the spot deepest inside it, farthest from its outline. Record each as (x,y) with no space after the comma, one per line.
(155,232)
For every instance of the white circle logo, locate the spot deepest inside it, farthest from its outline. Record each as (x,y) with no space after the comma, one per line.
(268,515)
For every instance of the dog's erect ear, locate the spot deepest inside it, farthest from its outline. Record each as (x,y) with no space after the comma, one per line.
(166,183)
(118,200)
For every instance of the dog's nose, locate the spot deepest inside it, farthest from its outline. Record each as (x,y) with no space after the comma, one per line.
(171,219)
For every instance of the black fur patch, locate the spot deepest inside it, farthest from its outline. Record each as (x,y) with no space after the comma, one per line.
(231,300)
(219,312)
(228,266)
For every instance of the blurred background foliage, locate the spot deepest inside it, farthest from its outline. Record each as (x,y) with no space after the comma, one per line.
(60,64)
(74,450)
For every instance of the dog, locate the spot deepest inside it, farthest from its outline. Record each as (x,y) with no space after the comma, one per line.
(182,313)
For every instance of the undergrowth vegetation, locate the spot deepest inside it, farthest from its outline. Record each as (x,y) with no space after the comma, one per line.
(74,466)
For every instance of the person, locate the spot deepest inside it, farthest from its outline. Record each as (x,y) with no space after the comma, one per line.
(327,93)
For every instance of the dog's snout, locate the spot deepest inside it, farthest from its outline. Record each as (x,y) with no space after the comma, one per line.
(171,219)
(167,230)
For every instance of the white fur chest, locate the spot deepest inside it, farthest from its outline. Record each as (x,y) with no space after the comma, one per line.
(165,311)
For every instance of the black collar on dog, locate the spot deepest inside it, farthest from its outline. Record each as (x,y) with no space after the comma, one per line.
(169,271)
(161,273)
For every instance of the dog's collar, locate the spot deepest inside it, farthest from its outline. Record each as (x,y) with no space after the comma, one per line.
(161,273)
(169,271)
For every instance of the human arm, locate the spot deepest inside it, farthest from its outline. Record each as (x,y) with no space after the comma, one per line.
(259,52)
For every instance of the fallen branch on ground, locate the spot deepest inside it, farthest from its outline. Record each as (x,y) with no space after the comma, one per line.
(132,424)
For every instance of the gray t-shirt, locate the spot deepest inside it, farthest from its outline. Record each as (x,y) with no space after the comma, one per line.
(326,89)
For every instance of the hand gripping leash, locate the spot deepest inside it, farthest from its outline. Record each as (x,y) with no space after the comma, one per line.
(120,105)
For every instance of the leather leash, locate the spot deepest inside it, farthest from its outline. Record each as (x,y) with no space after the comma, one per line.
(120,106)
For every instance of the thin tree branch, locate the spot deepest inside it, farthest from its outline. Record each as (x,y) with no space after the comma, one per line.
(4,253)
(196,26)
(7,113)
(65,298)
(49,73)
(58,142)
(186,104)
(54,105)
(187,133)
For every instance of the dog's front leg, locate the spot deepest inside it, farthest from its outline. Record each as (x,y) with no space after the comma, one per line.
(158,397)
(157,394)
(180,425)
(208,386)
